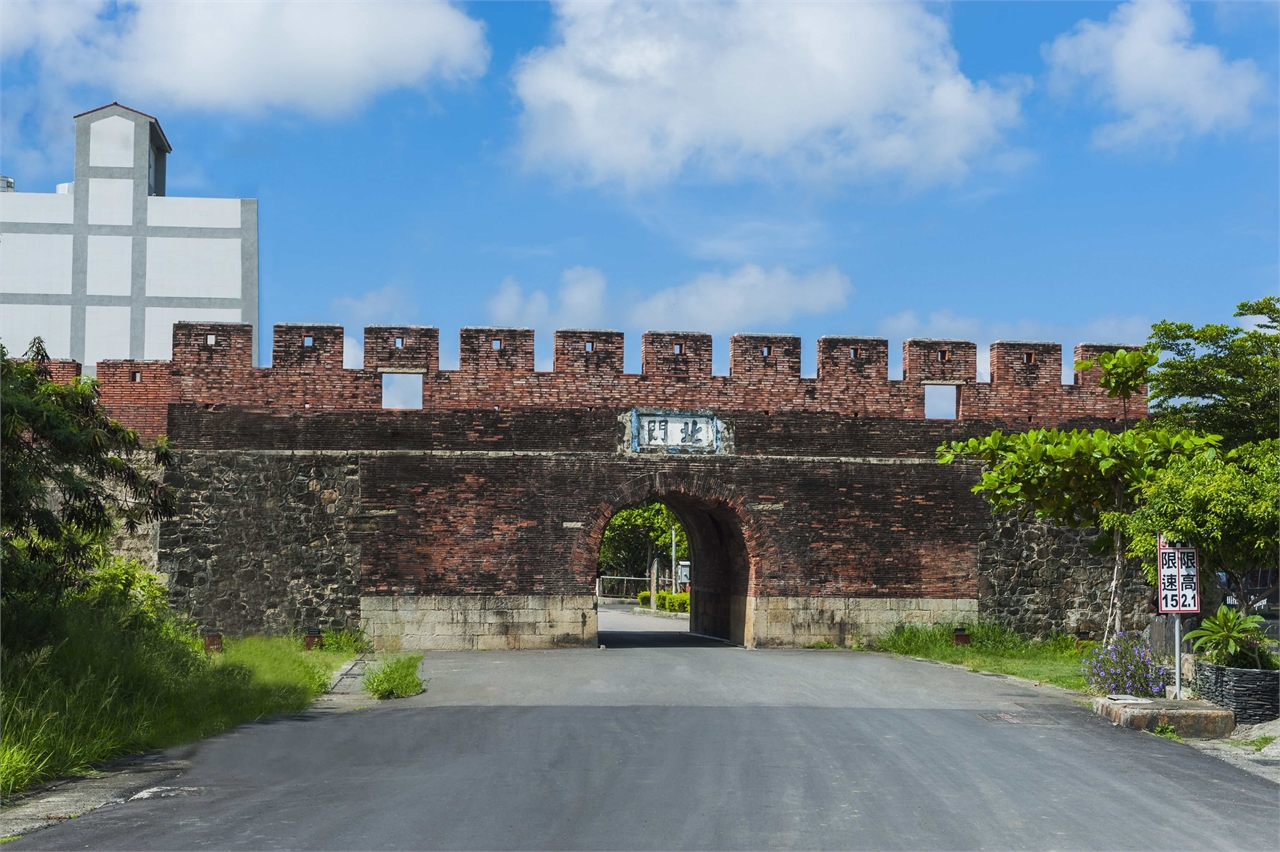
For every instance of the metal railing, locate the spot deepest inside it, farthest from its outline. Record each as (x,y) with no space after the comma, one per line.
(628,587)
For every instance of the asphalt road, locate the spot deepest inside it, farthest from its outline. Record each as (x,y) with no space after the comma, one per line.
(664,741)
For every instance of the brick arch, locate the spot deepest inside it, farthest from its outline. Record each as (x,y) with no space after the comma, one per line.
(729,548)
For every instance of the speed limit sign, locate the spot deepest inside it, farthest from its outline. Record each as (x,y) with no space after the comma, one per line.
(1179,576)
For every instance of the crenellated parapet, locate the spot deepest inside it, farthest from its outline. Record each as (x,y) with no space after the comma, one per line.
(212,365)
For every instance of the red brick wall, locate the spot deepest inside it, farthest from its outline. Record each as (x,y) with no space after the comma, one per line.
(212,366)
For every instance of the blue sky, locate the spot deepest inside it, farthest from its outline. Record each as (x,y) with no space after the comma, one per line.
(1060,171)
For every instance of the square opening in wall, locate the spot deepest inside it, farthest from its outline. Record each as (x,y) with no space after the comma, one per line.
(679,349)
(399,342)
(308,340)
(210,339)
(944,355)
(590,346)
(402,390)
(135,376)
(766,351)
(940,402)
(1028,357)
(497,344)
(855,353)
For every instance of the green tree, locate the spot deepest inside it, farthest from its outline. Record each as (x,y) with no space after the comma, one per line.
(1219,378)
(1124,372)
(1077,478)
(70,476)
(1224,504)
(634,537)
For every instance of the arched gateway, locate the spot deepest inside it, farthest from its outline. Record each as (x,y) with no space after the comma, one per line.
(814,507)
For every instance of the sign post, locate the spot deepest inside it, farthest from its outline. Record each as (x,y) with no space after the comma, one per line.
(1179,577)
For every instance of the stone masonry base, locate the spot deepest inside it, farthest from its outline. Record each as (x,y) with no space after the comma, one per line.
(512,622)
(798,622)
(478,622)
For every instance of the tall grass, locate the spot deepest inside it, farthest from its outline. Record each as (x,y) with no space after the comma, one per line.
(992,648)
(123,675)
(394,677)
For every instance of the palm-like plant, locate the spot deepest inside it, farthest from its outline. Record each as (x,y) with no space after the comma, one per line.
(1228,638)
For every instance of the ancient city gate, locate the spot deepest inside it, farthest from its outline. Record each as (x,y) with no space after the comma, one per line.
(814,507)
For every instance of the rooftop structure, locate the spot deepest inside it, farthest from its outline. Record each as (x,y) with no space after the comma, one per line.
(103,268)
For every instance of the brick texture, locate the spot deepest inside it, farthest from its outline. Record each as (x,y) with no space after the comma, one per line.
(501,487)
(211,366)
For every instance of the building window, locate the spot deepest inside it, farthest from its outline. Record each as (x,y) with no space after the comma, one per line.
(679,349)
(308,340)
(766,351)
(590,346)
(210,339)
(135,376)
(399,342)
(944,355)
(497,344)
(1028,357)
(855,353)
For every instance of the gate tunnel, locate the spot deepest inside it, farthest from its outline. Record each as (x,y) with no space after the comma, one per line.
(720,580)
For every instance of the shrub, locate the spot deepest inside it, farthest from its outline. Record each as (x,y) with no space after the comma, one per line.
(664,601)
(643,597)
(1125,666)
(396,677)
(680,602)
(1231,639)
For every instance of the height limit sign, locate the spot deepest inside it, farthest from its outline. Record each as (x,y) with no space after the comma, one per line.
(1179,577)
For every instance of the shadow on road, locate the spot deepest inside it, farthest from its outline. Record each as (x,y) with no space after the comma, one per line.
(656,639)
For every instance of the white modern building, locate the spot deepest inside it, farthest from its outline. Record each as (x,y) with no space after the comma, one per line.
(104,267)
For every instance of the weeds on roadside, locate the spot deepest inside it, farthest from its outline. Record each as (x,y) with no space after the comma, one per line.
(348,642)
(394,677)
(126,674)
(1168,732)
(993,648)
(1257,743)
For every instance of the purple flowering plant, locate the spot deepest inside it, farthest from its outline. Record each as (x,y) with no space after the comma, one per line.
(1125,665)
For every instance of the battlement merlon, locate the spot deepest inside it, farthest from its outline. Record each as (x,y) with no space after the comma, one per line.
(212,365)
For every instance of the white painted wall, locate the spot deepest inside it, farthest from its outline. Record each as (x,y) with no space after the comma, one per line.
(173,212)
(106,336)
(111,142)
(110,201)
(159,326)
(20,323)
(190,266)
(35,263)
(42,207)
(110,268)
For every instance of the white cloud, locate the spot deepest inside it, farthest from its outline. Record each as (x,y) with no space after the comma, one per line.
(321,58)
(635,92)
(743,299)
(1142,64)
(317,58)
(580,302)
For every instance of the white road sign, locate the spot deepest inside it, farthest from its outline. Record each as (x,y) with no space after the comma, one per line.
(1179,576)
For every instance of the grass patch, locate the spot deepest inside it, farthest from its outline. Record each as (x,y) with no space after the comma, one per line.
(394,677)
(1257,743)
(118,681)
(992,648)
(1168,732)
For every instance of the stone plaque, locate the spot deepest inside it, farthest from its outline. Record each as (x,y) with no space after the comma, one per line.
(661,431)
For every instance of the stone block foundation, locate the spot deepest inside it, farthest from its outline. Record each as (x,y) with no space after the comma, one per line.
(478,622)
(795,622)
